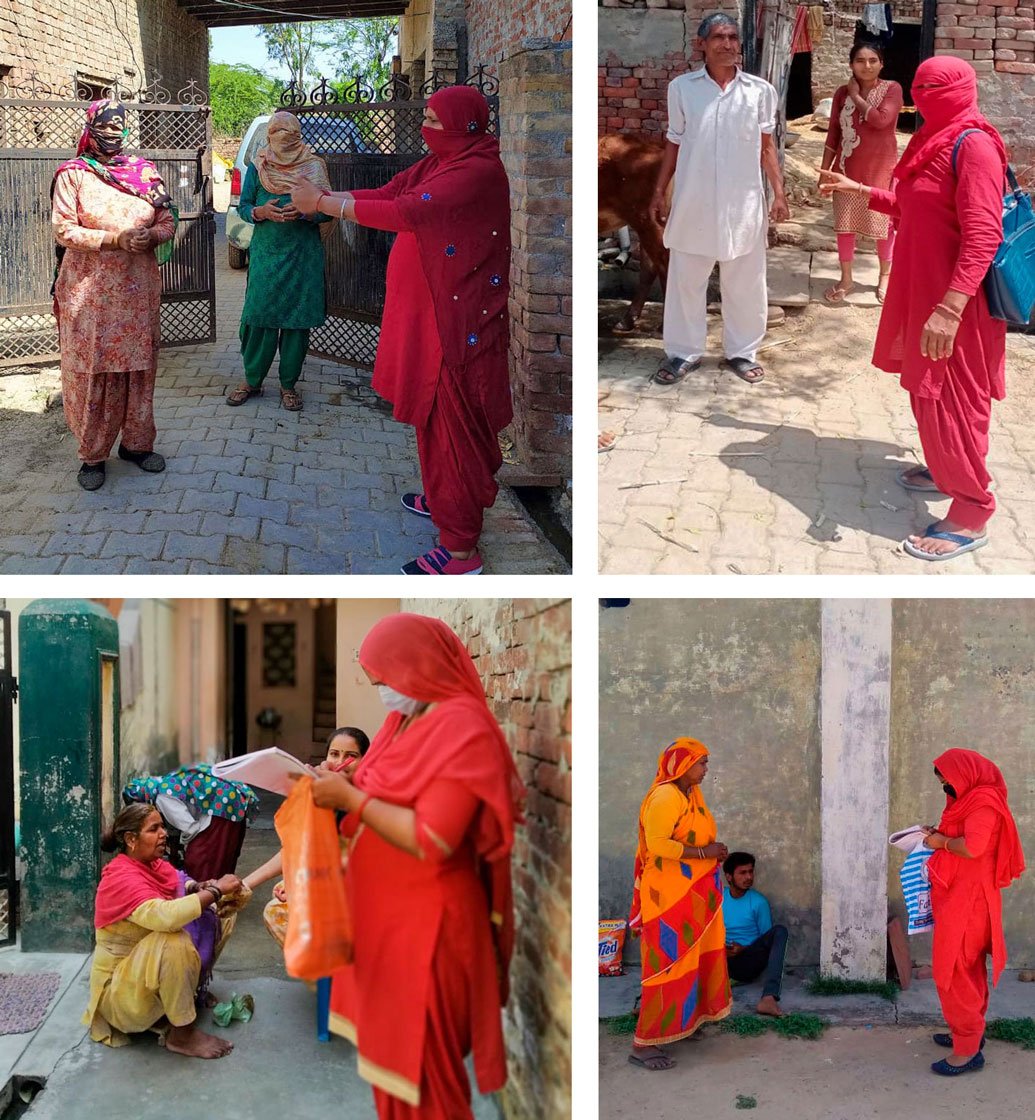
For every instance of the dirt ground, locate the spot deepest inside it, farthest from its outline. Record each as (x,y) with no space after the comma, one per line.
(849,1074)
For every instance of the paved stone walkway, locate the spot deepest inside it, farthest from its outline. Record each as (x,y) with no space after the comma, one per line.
(797,474)
(253,489)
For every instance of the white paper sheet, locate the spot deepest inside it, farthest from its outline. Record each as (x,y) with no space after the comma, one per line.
(268,769)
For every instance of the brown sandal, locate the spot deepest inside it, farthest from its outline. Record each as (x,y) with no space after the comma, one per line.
(290,400)
(241,394)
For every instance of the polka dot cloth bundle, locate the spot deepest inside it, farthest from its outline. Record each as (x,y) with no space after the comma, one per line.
(197,787)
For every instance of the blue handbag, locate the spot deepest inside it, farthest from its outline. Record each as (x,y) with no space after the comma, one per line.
(1010,281)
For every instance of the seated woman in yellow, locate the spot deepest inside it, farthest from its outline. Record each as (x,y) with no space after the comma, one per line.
(157,938)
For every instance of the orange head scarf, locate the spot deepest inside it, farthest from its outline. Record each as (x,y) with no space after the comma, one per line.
(979,784)
(285,159)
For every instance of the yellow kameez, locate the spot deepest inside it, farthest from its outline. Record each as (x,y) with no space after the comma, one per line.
(145,967)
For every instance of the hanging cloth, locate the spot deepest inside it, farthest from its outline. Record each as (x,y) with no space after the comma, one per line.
(800,40)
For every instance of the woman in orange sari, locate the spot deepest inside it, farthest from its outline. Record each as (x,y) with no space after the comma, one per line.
(431,811)
(677,908)
(977,854)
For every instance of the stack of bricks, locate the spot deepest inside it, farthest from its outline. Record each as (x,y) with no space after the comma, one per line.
(522,649)
(992,35)
(496,30)
(535,142)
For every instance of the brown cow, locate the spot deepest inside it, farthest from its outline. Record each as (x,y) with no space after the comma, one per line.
(627,168)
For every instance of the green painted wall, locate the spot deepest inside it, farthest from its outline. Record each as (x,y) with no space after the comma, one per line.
(62,647)
(743,677)
(963,675)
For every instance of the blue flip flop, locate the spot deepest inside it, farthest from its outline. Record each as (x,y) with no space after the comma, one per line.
(965,544)
(904,475)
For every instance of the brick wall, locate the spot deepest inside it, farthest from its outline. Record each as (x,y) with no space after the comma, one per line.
(57,38)
(522,648)
(496,30)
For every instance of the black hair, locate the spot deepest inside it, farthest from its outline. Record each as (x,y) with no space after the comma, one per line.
(737,859)
(868,45)
(130,819)
(353,733)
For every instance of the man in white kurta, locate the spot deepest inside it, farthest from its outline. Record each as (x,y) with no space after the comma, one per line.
(720,124)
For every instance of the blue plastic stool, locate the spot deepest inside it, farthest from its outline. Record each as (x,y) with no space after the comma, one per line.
(323,1009)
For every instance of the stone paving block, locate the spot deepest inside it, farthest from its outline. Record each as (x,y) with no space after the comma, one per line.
(199,445)
(240,484)
(93,566)
(83,544)
(223,465)
(301,562)
(29,564)
(188,546)
(138,566)
(326,517)
(179,466)
(328,476)
(208,501)
(173,522)
(111,521)
(147,545)
(253,557)
(234,525)
(265,508)
(274,531)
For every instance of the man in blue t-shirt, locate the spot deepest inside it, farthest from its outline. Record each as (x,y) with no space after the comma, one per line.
(753,944)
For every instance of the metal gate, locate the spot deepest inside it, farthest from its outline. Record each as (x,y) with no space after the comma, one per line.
(39,129)
(8,876)
(366,136)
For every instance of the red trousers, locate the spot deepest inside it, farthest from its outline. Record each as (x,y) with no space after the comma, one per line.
(965,999)
(215,852)
(100,405)
(954,436)
(459,455)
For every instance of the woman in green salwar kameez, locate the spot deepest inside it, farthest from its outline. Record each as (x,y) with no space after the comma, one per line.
(285,296)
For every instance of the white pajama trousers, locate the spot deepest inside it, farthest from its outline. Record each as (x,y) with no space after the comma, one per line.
(745,303)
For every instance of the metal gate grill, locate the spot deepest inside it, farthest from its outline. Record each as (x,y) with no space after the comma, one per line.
(39,129)
(366,136)
(8,878)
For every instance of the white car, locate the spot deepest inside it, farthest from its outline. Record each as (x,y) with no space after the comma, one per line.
(318,131)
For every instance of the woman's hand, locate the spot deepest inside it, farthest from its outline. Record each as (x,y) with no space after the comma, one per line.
(853,87)
(332,790)
(939,335)
(834,181)
(272,211)
(935,839)
(306,197)
(129,240)
(715,851)
(229,884)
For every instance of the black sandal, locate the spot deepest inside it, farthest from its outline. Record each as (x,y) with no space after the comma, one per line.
(673,370)
(91,476)
(743,368)
(149,461)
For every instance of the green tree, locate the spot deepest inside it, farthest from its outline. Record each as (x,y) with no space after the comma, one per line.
(364,47)
(238,94)
(295,46)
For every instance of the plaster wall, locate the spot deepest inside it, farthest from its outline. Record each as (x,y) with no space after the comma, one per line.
(358,703)
(742,676)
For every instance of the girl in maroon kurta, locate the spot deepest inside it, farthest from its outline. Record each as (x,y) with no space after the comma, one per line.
(936,330)
(442,355)
(861,143)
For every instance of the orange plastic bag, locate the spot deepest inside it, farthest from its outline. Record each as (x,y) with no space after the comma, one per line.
(319,931)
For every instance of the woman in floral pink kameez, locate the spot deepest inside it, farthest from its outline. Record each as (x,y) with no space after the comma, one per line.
(112,217)
(861,143)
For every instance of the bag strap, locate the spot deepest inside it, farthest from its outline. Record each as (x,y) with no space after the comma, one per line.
(1011,178)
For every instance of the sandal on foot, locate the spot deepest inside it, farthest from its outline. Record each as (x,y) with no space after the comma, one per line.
(945,1039)
(149,461)
(881,291)
(963,543)
(744,368)
(835,296)
(606,442)
(290,400)
(416,503)
(91,476)
(655,1062)
(241,394)
(673,370)
(905,479)
(441,562)
(946,1070)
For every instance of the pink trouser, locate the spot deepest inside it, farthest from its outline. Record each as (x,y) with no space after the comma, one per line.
(846,247)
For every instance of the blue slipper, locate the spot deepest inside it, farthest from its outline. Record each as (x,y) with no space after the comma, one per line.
(965,544)
(904,476)
(945,1070)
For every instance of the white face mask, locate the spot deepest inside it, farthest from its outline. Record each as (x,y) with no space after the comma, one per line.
(396,702)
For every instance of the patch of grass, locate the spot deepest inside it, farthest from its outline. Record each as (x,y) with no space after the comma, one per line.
(745,1102)
(835,986)
(746,1026)
(1021,1032)
(621,1024)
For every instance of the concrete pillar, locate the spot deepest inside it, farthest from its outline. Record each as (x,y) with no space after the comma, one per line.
(855,727)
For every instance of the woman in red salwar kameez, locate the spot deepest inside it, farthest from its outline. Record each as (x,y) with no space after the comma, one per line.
(431,811)
(442,355)
(861,142)
(977,854)
(936,330)
(111,212)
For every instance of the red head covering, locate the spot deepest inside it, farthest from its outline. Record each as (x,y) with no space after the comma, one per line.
(949,107)
(979,784)
(458,739)
(457,202)
(126,883)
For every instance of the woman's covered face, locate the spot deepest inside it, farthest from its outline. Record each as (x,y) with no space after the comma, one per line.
(949,790)
(149,843)
(431,120)
(866,66)
(108,130)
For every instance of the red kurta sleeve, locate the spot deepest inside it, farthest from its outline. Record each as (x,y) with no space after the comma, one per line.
(978,829)
(444,813)
(884,202)
(381,214)
(886,113)
(979,207)
(834,130)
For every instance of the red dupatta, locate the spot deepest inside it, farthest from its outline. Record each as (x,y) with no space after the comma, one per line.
(458,740)
(126,883)
(457,203)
